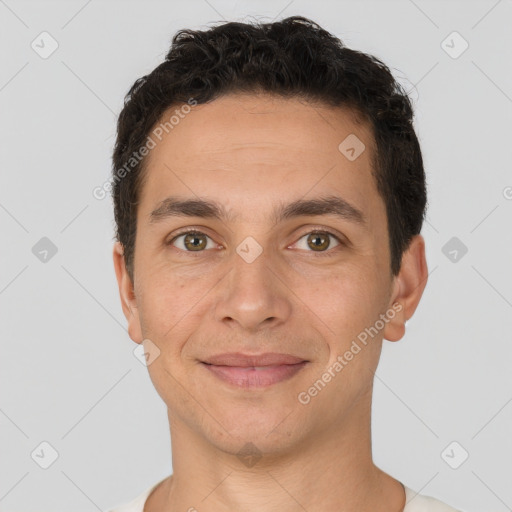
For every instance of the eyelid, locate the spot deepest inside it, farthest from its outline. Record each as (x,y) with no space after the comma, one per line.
(330,231)
(189,230)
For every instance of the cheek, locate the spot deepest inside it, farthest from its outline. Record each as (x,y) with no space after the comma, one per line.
(173,305)
(350,301)
(162,303)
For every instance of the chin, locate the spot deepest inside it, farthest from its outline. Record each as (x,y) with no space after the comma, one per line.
(253,448)
(265,435)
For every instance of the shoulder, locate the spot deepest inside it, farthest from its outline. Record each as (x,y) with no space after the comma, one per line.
(415,502)
(136,505)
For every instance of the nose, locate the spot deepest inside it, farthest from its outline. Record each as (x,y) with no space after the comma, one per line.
(254,295)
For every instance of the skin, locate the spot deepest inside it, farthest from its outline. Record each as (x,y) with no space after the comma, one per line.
(251,152)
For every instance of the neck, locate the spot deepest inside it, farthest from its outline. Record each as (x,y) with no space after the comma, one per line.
(330,470)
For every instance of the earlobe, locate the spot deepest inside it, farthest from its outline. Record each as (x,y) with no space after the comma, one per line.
(395,328)
(408,288)
(127,294)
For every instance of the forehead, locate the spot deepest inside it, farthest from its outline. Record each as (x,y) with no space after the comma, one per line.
(249,121)
(254,148)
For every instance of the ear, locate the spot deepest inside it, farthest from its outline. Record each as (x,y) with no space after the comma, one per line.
(408,288)
(127,294)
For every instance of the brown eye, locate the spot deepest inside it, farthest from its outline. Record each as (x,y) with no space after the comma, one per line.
(318,241)
(191,241)
(194,242)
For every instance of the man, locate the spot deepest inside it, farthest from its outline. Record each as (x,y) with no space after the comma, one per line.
(269,194)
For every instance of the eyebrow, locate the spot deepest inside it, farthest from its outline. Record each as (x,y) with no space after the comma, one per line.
(329,205)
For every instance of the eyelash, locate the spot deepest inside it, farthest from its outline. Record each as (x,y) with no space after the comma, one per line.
(327,253)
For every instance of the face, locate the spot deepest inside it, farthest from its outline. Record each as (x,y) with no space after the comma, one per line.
(291,257)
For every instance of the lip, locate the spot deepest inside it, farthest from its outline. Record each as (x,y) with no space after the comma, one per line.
(251,377)
(254,371)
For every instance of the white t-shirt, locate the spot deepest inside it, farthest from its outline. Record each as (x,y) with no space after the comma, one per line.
(413,503)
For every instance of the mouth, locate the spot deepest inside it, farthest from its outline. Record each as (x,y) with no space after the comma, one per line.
(253,360)
(246,371)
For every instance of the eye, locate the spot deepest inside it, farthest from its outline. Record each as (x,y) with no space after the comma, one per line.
(318,240)
(196,241)
(192,241)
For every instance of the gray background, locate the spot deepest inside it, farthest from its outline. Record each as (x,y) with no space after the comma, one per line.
(68,374)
